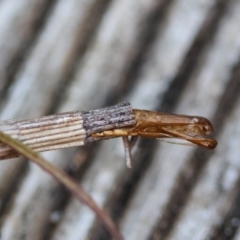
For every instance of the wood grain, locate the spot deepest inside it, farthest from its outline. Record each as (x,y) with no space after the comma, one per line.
(178,56)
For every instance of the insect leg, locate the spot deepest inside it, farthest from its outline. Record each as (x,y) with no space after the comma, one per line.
(127,148)
(204,142)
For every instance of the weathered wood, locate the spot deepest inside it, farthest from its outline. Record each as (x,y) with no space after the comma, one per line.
(171,55)
(19,23)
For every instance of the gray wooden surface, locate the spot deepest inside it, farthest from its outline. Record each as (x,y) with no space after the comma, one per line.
(179,56)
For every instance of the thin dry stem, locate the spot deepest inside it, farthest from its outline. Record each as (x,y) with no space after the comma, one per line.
(63,178)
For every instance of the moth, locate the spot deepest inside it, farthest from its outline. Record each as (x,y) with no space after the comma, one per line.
(160,125)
